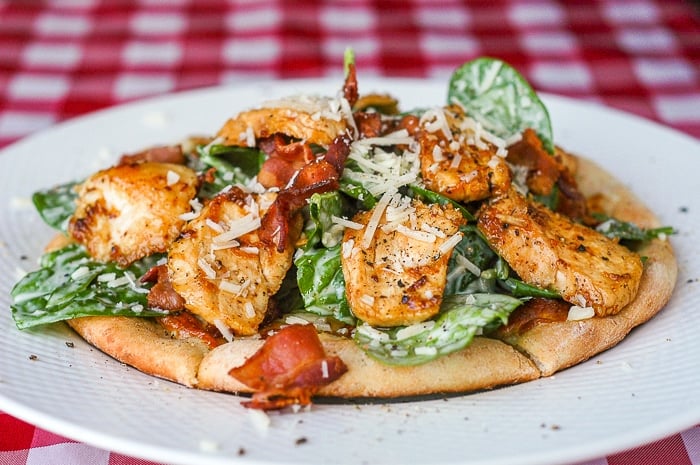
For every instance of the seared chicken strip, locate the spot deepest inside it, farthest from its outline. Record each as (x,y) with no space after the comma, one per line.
(549,250)
(396,275)
(132,210)
(223,269)
(316,121)
(456,162)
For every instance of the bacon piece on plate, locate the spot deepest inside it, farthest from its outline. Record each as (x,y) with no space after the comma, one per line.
(288,369)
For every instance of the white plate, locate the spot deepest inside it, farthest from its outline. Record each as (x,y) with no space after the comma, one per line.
(642,390)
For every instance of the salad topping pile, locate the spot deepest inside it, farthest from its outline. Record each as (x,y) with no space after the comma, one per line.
(383,226)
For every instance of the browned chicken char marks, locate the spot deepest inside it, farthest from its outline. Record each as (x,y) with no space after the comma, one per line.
(221,267)
(132,210)
(315,121)
(398,277)
(548,250)
(455,162)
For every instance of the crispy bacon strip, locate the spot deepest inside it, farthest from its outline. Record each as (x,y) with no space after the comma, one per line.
(178,320)
(186,325)
(162,295)
(160,154)
(350,90)
(288,369)
(284,159)
(321,175)
(545,171)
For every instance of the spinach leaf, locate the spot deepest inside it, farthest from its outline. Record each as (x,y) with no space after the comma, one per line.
(519,288)
(472,252)
(500,274)
(321,228)
(551,200)
(321,283)
(462,317)
(56,205)
(233,165)
(348,60)
(433,197)
(357,191)
(500,98)
(69,284)
(289,298)
(623,230)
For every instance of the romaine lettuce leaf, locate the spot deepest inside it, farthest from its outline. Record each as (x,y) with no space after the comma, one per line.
(320,228)
(56,205)
(462,317)
(233,165)
(321,283)
(70,284)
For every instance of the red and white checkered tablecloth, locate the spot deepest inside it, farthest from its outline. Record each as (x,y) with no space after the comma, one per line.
(60,59)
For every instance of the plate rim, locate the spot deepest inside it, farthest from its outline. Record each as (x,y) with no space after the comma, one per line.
(26,413)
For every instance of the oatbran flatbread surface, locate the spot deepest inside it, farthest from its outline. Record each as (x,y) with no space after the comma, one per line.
(517,353)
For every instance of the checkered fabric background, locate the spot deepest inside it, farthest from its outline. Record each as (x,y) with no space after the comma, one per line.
(60,59)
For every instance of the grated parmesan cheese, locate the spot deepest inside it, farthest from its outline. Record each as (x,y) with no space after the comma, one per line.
(346,223)
(414,329)
(171,177)
(422,236)
(118,282)
(196,210)
(348,248)
(260,420)
(437,232)
(450,243)
(238,228)
(207,268)
(367,299)
(424,350)
(295,320)
(106,277)
(456,161)
(577,313)
(250,249)
(80,272)
(374,219)
(214,225)
(249,310)
(224,330)
(249,136)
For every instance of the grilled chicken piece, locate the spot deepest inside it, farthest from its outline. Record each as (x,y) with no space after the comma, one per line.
(316,121)
(398,278)
(455,161)
(222,268)
(550,251)
(132,210)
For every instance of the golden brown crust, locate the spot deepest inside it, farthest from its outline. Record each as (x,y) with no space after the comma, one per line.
(539,350)
(484,364)
(556,345)
(145,345)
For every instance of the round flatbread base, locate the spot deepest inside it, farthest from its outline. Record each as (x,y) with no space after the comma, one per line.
(540,350)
